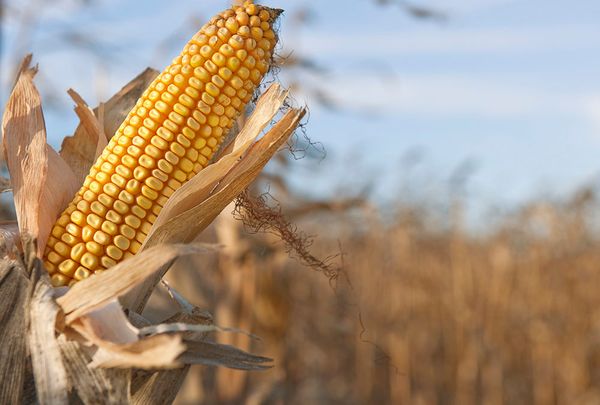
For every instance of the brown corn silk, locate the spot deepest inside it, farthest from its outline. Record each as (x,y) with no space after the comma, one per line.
(170,135)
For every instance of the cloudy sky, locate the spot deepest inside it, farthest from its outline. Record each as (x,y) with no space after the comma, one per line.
(512,87)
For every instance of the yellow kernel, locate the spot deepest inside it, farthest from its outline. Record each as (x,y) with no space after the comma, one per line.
(129,161)
(193,93)
(174,184)
(127,231)
(167,98)
(121,207)
(188,133)
(193,124)
(256,33)
(138,211)
(114,252)
(144,202)
(62,249)
(73,230)
(94,248)
(199,143)
(165,166)
(252,10)
(242,18)
(211,66)
(159,142)
(264,15)
(89,260)
(68,239)
(255,21)
(232,25)
(168,192)
(134,151)
(94,221)
(77,251)
(201,74)
(203,107)
(213,120)
(186,165)
(111,189)
(233,64)
(206,51)
(212,89)
(180,176)
(177,149)
(126,197)
(153,152)
(109,227)
(95,186)
(154,114)
(54,258)
(147,162)
(107,263)
(176,118)
(171,157)
(165,134)
(57,231)
(145,132)
(244,32)
(243,73)
(146,226)
(159,175)
(187,101)
(250,62)
(223,34)
(182,110)
(207,98)
(118,180)
(154,183)
(59,280)
(67,267)
(101,238)
(196,60)
(196,83)
(148,192)
(207,151)
(121,242)
(132,221)
(135,247)
(237,83)
(81,273)
(162,106)
(78,218)
(114,217)
(87,232)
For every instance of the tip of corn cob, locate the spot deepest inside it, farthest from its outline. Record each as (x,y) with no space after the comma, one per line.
(170,135)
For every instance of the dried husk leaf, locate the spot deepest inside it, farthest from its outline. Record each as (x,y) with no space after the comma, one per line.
(50,375)
(9,239)
(13,340)
(80,149)
(93,385)
(90,123)
(215,354)
(25,151)
(118,343)
(41,181)
(97,291)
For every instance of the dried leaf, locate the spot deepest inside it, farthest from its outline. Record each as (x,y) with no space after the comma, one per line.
(5,184)
(13,341)
(25,151)
(118,343)
(94,385)
(90,123)
(160,387)
(214,354)
(59,188)
(50,375)
(79,150)
(115,282)
(9,238)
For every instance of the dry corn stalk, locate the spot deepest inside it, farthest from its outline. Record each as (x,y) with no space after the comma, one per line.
(187,110)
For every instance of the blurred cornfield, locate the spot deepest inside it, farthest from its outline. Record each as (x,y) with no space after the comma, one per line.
(417,308)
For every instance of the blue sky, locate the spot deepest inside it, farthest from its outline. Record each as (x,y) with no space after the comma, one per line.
(511,86)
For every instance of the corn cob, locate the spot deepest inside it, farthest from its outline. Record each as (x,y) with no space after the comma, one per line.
(168,137)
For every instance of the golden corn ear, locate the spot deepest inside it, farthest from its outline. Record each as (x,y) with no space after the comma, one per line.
(168,137)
